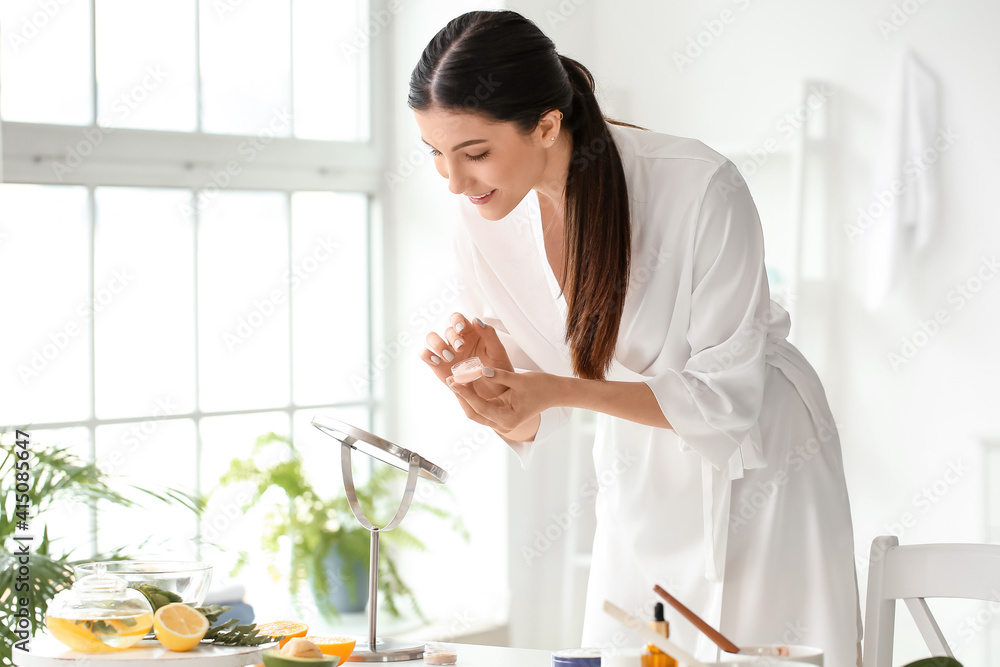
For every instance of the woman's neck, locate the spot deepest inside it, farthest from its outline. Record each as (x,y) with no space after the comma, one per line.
(551,188)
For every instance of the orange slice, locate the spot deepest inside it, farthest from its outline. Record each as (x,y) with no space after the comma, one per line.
(179,627)
(284,629)
(341,647)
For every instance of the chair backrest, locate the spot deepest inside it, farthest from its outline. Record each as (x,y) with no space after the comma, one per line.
(913,573)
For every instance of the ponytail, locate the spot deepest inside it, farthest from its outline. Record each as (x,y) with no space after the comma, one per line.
(598,234)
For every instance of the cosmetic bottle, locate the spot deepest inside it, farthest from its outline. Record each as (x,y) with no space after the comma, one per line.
(653,656)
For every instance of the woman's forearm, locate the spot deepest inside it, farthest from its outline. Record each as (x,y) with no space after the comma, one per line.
(633,401)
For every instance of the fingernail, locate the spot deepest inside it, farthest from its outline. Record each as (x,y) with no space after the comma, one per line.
(435,359)
(488,372)
(451,385)
(459,327)
(458,344)
(448,356)
(480,323)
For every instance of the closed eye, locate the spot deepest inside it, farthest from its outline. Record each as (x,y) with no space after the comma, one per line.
(481,156)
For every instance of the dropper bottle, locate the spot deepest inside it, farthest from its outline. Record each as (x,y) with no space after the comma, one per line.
(652,656)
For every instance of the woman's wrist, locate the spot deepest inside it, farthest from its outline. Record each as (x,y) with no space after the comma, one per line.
(526,432)
(551,392)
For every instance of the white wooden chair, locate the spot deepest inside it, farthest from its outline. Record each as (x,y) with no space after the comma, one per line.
(913,573)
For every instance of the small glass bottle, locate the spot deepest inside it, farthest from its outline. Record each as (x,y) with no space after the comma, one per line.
(652,656)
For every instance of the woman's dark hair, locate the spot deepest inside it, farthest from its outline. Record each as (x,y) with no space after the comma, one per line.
(499,64)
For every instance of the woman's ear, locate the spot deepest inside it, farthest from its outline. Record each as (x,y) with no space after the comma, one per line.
(549,126)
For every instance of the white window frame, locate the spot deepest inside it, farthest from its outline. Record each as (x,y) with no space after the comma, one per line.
(187,160)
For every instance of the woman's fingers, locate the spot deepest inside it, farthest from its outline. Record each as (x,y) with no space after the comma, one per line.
(470,412)
(489,335)
(460,327)
(440,348)
(455,340)
(475,401)
(431,358)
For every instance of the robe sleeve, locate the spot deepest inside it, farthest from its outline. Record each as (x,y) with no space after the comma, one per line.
(713,402)
(475,304)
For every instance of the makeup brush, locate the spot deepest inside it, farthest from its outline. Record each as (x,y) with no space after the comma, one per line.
(709,631)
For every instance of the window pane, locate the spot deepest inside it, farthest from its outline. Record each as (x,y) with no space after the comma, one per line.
(330,291)
(146,64)
(46,42)
(225,528)
(44,287)
(144,303)
(155,455)
(243,283)
(245,67)
(332,43)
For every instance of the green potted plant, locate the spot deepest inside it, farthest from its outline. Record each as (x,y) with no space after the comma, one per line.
(329,548)
(56,476)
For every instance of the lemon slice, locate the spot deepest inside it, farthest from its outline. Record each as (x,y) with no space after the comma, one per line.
(179,627)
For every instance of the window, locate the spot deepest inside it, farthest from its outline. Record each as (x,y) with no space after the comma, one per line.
(188,237)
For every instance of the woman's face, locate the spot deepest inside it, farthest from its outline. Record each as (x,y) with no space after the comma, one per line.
(483,157)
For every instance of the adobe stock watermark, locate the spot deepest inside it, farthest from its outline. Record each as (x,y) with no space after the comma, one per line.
(264,308)
(929,495)
(121,108)
(912,168)
(365,34)
(247,150)
(562,13)
(32,25)
(134,436)
(900,15)
(223,8)
(753,500)
(560,522)
(464,452)
(922,502)
(703,40)
(975,624)
(817,97)
(748,339)
(958,298)
(424,318)
(224,517)
(41,357)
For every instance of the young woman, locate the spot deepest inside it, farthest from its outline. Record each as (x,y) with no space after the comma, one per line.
(623,271)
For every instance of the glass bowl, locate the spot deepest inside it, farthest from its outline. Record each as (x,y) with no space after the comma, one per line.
(188,579)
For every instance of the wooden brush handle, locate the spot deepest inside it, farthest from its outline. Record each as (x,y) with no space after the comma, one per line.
(709,631)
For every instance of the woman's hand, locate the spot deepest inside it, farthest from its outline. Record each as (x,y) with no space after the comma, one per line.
(518,397)
(464,339)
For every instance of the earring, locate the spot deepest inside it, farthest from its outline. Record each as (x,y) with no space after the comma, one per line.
(553,138)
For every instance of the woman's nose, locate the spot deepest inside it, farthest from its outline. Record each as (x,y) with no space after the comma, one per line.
(458,181)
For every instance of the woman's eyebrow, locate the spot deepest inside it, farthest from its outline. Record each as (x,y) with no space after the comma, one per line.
(470,142)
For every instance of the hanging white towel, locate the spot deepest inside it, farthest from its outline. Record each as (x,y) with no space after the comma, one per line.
(902,211)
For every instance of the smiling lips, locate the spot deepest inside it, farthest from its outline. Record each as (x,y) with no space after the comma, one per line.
(482,199)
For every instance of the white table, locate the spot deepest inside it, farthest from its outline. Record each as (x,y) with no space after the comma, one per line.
(47,652)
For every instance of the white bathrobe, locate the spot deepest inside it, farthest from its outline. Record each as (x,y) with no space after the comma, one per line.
(741,510)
